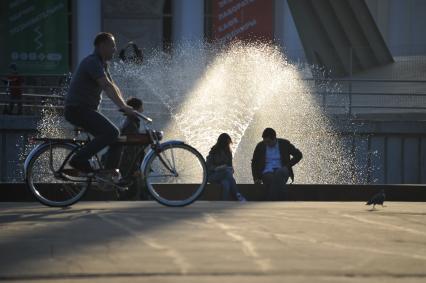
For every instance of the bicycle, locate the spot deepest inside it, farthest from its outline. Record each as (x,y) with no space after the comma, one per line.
(174,173)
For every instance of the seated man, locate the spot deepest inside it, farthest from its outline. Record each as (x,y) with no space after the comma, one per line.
(272,163)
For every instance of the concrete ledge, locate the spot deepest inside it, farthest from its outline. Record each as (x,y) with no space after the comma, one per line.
(18,122)
(19,192)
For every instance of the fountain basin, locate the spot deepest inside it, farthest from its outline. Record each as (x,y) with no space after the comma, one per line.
(297,192)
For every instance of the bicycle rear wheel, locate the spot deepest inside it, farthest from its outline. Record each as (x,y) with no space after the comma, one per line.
(46,185)
(176,176)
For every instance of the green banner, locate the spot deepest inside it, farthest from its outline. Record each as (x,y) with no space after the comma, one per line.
(34,36)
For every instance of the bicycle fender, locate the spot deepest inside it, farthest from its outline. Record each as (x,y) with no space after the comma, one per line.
(36,149)
(169,143)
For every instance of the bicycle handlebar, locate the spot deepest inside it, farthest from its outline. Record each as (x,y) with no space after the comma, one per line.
(146,118)
(140,115)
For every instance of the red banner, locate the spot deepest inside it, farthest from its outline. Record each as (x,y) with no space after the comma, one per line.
(242,19)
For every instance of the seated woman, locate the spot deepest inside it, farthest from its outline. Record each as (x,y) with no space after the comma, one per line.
(219,167)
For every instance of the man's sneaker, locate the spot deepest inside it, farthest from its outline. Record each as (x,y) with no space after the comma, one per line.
(82,165)
(240,198)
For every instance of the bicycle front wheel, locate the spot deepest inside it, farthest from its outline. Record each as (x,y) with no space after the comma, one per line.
(49,188)
(176,176)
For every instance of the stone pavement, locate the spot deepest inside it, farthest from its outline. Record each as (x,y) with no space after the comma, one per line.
(213,242)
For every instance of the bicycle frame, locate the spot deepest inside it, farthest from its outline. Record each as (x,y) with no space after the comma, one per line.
(59,172)
(48,163)
(156,148)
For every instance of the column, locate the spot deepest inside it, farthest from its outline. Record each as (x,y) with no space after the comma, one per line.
(88,24)
(188,20)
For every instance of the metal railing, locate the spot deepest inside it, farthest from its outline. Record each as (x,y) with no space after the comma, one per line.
(33,99)
(357,96)
(335,96)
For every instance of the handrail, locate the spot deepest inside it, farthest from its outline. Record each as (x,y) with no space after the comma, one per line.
(362,80)
(38,105)
(36,75)
(378,107)
(34,95)
(35,86)
(3,86)
(35,100)
(370,93)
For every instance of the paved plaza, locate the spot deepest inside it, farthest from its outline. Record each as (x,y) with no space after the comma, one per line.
(213,242)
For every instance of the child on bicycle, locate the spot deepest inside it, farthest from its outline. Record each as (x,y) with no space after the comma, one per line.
(121,156)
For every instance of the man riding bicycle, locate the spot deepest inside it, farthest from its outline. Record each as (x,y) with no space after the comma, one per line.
(84,96)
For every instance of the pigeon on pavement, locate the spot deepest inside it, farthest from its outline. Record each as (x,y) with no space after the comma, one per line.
(377,199)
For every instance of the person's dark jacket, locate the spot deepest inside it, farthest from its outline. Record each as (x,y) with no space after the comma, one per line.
(116,152)
(218,157)
(130,126)
(290,156)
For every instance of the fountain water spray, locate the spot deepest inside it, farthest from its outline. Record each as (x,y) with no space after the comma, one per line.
(242,89)
(202,90)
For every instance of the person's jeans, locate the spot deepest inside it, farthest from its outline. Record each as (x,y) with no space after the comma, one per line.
(225,178)
(15,99)
(275,183)
(113,156)
(99,126)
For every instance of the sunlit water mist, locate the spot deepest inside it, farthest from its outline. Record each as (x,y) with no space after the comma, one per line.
(201,91)
(50,125)
(241,90)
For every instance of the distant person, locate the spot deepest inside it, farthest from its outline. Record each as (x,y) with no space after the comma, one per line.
(272,163)
(121,157)
(131,54)
(14,88)
(220,169)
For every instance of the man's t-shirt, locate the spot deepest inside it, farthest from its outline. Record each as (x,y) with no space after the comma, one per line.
(84,90)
